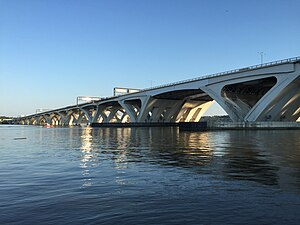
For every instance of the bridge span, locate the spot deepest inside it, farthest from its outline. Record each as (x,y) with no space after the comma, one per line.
(265,92)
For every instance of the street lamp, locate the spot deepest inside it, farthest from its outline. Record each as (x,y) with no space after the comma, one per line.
(261,57)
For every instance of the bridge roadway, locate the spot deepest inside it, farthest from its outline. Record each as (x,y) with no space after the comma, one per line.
(266,92)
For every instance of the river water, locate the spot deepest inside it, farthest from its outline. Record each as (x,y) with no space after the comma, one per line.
(148,176)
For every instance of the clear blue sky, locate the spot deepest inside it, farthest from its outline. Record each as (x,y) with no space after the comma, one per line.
(53,51)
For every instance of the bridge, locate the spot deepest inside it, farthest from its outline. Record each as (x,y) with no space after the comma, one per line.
(265,92)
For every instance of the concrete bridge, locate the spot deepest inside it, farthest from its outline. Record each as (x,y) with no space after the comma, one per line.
(265,92)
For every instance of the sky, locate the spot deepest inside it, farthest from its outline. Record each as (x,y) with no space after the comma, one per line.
(52,51)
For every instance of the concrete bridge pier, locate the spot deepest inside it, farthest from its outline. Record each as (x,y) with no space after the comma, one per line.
(260,95)
(263,93)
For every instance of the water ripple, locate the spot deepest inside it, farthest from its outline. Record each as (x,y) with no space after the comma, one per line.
(148,176)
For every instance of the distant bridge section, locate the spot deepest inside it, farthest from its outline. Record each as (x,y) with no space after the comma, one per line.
(265,92)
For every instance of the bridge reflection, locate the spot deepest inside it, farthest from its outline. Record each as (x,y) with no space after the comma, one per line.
(87,157)
(238,155)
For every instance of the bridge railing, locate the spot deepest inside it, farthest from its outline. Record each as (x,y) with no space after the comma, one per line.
(278,62)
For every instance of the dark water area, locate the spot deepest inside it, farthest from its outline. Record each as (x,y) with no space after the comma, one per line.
(148,176)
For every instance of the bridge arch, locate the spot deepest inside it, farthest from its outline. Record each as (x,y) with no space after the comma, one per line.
(186,104)
(72,117)
(268,92)
(250,95)
(110,112)
(284,104)
(241,97)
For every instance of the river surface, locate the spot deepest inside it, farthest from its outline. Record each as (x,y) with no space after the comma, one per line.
(148,176)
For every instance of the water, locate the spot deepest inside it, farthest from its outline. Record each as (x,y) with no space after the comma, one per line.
(148,176)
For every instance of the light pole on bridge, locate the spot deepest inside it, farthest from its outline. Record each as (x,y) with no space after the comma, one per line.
(261,57)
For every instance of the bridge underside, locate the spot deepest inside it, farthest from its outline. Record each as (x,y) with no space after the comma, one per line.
(265,94)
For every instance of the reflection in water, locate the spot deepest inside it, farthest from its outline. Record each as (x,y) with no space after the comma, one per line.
(113,143)
(121,158)
(246,158)
(189,150)
(155,145)
(149,176)
(87,155)
(242,155)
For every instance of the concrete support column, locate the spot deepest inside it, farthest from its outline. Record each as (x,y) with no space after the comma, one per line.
(47,118)
(281,103)
(112,113)
(196,113)
(135,112)
(161,110)
(63,118)
(129,110)
(99,112)
(72,117)
(88,114)
(232,109)
(192,111)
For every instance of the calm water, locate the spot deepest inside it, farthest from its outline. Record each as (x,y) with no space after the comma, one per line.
(148,176)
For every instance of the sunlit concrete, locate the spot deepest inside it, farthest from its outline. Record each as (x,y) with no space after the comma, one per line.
(268,92)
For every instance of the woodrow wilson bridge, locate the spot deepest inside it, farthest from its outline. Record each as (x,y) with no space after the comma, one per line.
(265,92)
